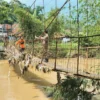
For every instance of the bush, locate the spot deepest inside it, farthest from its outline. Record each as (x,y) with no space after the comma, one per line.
(72,88)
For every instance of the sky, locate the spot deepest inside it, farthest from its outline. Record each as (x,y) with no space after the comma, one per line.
(47,3)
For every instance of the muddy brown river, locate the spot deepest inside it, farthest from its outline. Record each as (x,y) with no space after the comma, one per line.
(28,87)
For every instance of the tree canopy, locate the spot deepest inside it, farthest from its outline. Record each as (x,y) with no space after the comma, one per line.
(34,20)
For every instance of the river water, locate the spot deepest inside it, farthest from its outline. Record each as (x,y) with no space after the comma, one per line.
(13,87)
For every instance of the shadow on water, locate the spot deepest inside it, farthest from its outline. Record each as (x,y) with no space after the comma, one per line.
(2,55)
(32,78)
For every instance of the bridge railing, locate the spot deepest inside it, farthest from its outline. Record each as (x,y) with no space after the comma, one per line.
(63,53)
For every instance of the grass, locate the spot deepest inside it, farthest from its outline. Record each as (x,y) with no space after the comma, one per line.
(1,44)
(66,46)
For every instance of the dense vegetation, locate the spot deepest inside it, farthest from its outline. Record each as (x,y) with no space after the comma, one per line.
(73,88)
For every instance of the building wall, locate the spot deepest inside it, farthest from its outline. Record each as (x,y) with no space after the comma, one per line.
(5,29)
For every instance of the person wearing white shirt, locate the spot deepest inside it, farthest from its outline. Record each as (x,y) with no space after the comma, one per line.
(44,38)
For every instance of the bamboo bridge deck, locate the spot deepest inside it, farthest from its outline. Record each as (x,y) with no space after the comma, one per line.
(87,68)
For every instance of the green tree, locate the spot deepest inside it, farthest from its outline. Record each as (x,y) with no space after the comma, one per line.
(6,13)
(30,25)
(57,26)
(38,12)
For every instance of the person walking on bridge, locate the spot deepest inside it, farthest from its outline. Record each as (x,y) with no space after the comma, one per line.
(44,39)
(6,41)
(21,43)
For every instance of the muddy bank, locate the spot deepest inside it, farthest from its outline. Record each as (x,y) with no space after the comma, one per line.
(37,77)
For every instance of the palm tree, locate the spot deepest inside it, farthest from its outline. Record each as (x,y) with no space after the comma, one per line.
(38,12)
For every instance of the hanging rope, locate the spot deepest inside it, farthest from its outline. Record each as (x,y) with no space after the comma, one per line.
(43,16)
(42,58)
(71,34)
(78,36)
(56,40)
(27,14)
(28,11)
(87,19)
(57,13)
(33,3)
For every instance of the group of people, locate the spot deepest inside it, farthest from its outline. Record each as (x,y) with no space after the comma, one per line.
(43,37)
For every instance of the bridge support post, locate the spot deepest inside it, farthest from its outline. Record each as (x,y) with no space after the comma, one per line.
(55,64)
(56,54)
(78,55)
(58,77)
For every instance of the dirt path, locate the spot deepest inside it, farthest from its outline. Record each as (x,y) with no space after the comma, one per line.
(26,88)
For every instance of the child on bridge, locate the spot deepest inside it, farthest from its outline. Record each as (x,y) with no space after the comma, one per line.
(21,43)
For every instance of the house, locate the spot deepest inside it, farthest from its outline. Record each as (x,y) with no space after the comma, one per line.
(65,40)
(5,29)
(16,30)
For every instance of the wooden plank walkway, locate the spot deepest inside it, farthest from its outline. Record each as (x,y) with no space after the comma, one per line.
(72,70)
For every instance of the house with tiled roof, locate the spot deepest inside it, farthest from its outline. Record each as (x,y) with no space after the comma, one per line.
(16,29)
(5,29)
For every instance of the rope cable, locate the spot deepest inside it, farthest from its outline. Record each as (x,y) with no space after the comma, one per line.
(71,34)
(87,18)
(57,13)
(43,28)
(56,40)
(43,16)
(78,35)
(33,3)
